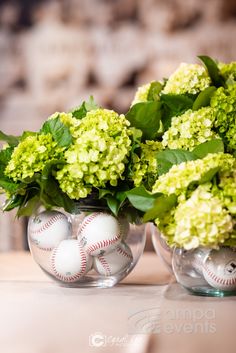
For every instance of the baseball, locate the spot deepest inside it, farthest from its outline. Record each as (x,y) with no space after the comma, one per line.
(69,261)
(114,262)
(48,228)
(219,269)
(99,233)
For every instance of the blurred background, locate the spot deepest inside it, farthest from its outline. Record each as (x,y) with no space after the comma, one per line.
(54,54)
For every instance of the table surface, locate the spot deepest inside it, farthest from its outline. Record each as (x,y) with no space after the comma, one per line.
(146,313)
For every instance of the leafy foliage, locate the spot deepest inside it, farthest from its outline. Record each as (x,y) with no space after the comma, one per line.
(58,130)
(204,98)
(81,111)
(11,140)
(174,105)
(154,91)
(145,116)
(213,70)
(161,206)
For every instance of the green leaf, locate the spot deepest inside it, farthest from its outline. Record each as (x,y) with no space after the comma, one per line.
(8,185)
(13,202)
(154,91)
(10,139)
(29,207)
(209,175)
(167,158)
(81,111)
(161,206)
(113,204)
(212,146)
(104,192)
(121,196)
(52,195)
(146,117)
(213,70)
(174,105)
(50,192)
(58,130)
(204,97)
(91,104)
(5,155)
(141,199)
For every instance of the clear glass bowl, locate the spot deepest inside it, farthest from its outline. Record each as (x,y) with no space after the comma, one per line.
(90,248)
(205,271)
(161,247)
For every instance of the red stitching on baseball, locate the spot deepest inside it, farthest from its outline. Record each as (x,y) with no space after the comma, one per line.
(73,277)
(230,281)
(105,265)
(124,253)
(102,244)
(49,223)
(87,221)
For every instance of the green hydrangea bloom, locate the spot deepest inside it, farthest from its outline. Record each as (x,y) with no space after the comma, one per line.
(178,178)
(224,103)
(31,155)
(202,220)
(228,71)
(98,154)
(190,129)
(142,94)
(144,168)
(188,78)
(226,189)
(167,226)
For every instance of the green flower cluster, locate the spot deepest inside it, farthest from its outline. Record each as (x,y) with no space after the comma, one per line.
(228,71)
(144,167)
(205,211)
(180,176)
(98,155)
(142,94)
(226,189)
(31,155)
(188,78)
(224,103)
(202,220)
(190,129)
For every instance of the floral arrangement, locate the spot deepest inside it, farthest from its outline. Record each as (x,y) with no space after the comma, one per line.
(170,159)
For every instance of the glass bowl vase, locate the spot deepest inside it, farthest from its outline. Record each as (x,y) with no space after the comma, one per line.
(206,271)
(161,247)
(89,248)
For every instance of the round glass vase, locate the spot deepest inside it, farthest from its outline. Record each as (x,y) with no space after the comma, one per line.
(89,248)
(205,271)
(161,247)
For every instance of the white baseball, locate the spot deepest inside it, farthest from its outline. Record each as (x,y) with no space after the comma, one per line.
(114,262)
(48,228)
(99,233)
(69,261)
(219,269)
